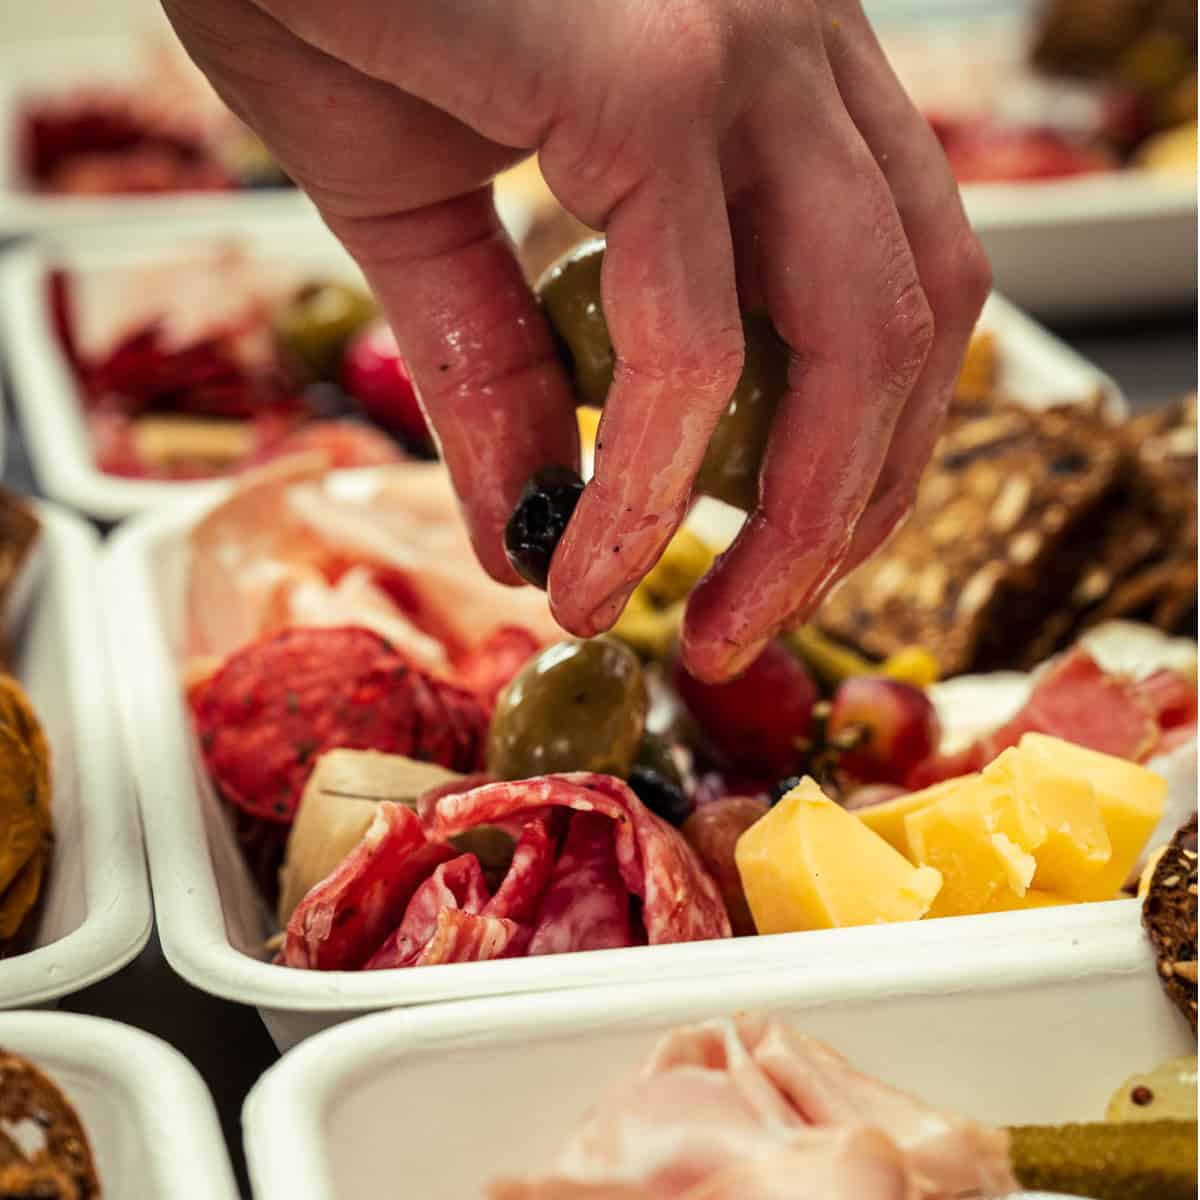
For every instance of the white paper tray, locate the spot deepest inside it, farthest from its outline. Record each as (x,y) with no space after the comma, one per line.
(291,246)
(1036,366)
(1119,242)
(148,1115)
(211,921)
(1014,1024)
(96,914)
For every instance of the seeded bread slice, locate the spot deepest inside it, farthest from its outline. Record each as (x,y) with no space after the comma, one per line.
(1011,501)
(1169,915)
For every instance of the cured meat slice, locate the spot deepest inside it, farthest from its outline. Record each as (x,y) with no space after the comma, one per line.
(275,706)
(680,903)
(586,906)
(1171,696)
(487,668)
(1076,700)
(342,921)
(464,937)
(744,1108)
(520,892)
(455,884)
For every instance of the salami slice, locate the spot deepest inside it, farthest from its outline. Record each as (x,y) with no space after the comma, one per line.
(275,706)
(520,893)
(464,937)
(456,884)
(342,921)
(586,906)
(679,901)
(487,668)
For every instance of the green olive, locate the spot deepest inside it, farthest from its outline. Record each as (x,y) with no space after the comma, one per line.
(315,324)
(577,706)
(570,294)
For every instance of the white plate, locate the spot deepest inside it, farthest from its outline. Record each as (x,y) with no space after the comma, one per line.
(148,1115)
(96,915)
(1006,1022)
(210,918)
(1034,365)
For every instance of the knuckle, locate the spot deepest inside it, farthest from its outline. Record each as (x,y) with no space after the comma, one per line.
(958,278)
(905,338)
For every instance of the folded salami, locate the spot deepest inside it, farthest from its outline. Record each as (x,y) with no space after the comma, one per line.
(591,868)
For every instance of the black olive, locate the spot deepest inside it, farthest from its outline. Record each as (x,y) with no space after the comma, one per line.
(662,795)
(539,520)
(782,788)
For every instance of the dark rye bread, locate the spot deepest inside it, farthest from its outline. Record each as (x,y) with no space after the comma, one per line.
(1161,590)
(1009,509)
(1169,915)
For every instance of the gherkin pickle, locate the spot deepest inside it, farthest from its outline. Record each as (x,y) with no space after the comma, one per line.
(1142,1161)
(570,294)
(315,324)
(577,706)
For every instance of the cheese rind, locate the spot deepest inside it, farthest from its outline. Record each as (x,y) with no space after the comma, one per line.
(809,864)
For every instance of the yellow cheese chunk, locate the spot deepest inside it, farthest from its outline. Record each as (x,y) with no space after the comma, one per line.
(1057,817)
(979,867)
(887,819)
(809,864)
(1130,799)
(1034,898)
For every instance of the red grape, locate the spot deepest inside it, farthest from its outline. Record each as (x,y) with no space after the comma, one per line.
(896,722)
(375,375)
(756,721)
(713,832)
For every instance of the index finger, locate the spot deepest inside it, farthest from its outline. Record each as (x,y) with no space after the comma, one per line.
(479,350)
(671,306)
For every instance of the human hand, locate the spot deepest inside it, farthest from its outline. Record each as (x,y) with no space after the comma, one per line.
(752,150)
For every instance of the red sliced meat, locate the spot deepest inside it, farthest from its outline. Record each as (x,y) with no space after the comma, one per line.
(456,884)
(464,937)
(1075,700)
(521,890)
(279,703)
(343,920)
(487,669)
(680,903)
(586,906)
(1171,697)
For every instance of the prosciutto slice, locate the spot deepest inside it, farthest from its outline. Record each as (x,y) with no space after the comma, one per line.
(1078,701)
(746,1109)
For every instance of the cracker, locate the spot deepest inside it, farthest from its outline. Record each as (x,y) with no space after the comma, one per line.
(1169,916)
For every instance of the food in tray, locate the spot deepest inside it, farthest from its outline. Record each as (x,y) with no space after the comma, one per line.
(1091,88)
(382,720)
(745,1107)
(44,1148)
(275,371)
(163,130)
(1029,528)
(1166,1093)
(26,817)
(1169,915)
